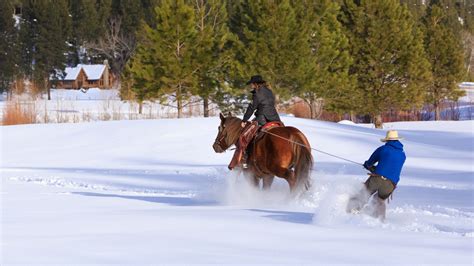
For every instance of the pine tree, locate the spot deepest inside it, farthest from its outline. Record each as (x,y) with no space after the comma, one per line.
(466,15)
(273,43)
(416,7)
(27,38)
(130,12)
(45,30)
(445,53)
(139,78)
(389,60)
(325,75)
(212,53)
(119,41)
(85,20)
(8,45)
(233,98)
(89,21)
(164,58)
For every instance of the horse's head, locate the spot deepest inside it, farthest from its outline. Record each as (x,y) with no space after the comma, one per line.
(229,131)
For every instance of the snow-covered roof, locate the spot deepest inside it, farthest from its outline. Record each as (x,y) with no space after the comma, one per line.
(467,85)
(93,72)
(72,72)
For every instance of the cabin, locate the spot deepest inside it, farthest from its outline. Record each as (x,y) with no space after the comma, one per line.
(86,77)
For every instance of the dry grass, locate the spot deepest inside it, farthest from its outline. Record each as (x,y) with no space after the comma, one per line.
(16,113)
(33,110)
(300,109)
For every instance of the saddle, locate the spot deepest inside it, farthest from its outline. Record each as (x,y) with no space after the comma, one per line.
(250,132)
(271,125)
(253,132)
(267,127)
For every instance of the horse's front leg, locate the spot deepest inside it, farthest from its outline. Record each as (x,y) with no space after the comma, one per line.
(253,179)
(267,182)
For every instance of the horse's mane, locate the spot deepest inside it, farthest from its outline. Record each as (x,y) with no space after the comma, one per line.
(233,127)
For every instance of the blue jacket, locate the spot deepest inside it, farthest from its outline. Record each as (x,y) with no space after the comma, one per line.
(390,158)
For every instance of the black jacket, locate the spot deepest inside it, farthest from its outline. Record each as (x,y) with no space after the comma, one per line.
(263,101)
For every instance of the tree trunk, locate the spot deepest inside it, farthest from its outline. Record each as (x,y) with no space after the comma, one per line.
(353,117)
(9,94)
(312,112)
(206,107)
(46,83)
(180,104)
(437,112)
(313,108)
(378,120)
(140,107)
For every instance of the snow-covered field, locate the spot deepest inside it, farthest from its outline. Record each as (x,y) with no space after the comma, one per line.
(154,192)
(73,106)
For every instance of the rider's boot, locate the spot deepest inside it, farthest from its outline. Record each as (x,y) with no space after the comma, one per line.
(244,160)
(235,159)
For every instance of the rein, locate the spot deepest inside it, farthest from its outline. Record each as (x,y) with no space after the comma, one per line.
(219,141)
(225,134)
(297,143)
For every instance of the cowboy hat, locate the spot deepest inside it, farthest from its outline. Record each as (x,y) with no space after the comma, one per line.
(256,79)
(391,135)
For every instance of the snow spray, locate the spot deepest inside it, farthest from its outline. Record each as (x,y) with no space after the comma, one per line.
(239,189)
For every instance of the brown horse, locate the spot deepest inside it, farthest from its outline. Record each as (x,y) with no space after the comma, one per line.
(282,152)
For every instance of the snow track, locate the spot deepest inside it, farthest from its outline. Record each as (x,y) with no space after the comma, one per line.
(325,197)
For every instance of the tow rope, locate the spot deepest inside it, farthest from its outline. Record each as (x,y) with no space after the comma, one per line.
(335,156)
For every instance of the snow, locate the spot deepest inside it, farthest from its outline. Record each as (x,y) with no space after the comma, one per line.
(94,94)
(346,122)
(94,104)
(154,192)
(466,84)
(468,99)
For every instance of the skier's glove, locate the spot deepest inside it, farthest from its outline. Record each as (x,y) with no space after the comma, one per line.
(371,168)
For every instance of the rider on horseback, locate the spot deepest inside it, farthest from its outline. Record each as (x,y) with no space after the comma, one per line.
(263,102)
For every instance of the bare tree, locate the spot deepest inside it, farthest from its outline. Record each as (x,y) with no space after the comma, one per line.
(116,46)
(468,43)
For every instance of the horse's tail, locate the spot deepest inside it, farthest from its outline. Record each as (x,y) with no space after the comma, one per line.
(303,162)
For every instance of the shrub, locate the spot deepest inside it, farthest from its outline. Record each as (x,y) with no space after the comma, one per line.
(16,113)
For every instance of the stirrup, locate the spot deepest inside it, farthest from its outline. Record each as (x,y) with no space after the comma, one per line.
(245,166)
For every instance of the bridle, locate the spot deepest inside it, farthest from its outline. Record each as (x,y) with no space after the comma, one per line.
(220,140)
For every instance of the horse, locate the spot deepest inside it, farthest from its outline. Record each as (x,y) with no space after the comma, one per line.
(281,151)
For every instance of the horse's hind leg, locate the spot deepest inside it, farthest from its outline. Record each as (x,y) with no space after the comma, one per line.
(291,179)
(267,182)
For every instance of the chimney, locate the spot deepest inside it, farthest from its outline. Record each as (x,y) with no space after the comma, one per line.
(106,75)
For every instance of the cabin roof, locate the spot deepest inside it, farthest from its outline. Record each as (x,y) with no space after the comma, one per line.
(93,72)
